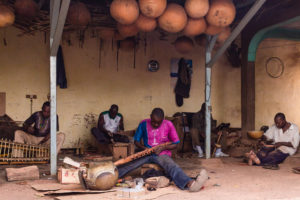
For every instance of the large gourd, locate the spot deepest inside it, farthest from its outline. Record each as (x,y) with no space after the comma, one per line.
(79,15)
(26,8)
(152,8)
(195,27)
(174,18)
(124,11)
(146,24)
(200,40)
(184,44)
(7,17)
(127,30)
(196,8)
(221,13)
(107,34)
(128,44)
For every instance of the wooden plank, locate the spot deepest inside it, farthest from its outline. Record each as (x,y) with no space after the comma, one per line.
(24,173)
(2,103)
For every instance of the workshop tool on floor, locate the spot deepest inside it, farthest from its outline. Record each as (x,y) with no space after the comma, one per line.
(220,128)
(105,175)
(27,153)
(31,97)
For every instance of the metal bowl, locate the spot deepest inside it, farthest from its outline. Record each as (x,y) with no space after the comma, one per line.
(255,134)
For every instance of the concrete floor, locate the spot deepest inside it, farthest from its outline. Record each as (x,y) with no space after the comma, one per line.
(229,179)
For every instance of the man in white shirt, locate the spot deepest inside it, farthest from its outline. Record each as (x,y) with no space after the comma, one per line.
(110,125)
(285,140)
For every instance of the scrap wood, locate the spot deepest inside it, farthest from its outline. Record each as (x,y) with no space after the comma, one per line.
(23,173)
(79,191)
(97,157)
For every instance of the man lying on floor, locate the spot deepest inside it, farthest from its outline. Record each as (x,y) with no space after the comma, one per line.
(285,138)
(156,131)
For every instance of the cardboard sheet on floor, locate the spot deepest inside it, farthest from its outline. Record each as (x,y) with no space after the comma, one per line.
(42,187)
(171,191)
(79,191)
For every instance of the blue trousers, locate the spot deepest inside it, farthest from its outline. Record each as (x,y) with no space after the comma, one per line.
(171,168)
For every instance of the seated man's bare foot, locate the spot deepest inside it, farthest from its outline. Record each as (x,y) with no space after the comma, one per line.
(255,159)
(250,162)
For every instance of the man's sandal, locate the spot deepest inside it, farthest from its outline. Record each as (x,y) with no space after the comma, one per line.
(273,167)
(199,182)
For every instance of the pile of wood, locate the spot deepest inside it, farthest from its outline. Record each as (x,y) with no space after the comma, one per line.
(237,145)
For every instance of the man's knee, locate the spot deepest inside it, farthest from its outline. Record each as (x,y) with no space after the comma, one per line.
(60,137)
(166,161)
(19,136)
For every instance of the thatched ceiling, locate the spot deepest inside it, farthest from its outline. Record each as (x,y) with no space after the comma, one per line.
(101,18)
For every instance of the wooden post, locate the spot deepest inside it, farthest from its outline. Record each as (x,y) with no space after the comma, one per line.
(2,103)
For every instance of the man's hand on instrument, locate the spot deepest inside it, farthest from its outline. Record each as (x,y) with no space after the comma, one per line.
(262,143)
(30,130)
(120,132)
(110,134)
(45,139)
(158,150)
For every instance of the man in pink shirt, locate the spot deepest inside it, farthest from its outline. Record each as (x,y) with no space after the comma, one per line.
(155,131)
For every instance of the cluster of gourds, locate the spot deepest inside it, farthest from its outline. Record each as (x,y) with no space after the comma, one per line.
(195,18)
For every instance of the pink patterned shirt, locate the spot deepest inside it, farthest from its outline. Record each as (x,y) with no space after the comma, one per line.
(166,132)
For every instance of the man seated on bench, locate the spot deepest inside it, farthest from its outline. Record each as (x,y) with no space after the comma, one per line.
(110,127)
(156,131)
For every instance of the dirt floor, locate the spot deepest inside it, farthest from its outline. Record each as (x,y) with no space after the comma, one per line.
(229,179)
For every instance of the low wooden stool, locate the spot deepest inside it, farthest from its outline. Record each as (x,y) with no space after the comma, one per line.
(122,150)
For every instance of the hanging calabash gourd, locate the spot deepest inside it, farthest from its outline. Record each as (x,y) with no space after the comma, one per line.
(196,8)
(200,40)
(7,17)
(174,18)
(107,34)
(127,44)
(184,44)
(194,27)
(152,8)
(127,30)
(124,11)
(145,24)
(26,8)
(79,15)
(221,13)
(213,30)
(224,35)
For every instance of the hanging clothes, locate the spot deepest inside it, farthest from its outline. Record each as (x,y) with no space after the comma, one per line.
(183,85)
(61,79)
